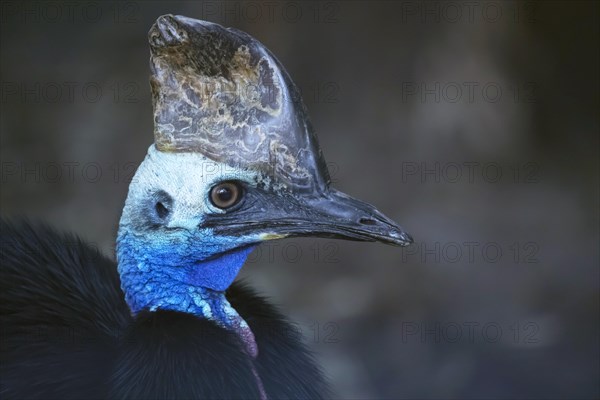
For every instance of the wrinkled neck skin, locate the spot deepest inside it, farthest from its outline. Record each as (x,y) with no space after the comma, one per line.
(154,278)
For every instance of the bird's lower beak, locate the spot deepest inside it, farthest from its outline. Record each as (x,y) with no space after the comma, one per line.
(333,214)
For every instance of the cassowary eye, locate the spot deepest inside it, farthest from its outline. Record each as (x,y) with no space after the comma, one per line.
(226,194)
(161,210)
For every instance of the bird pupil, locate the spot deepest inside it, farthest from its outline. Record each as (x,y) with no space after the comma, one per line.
(225,194)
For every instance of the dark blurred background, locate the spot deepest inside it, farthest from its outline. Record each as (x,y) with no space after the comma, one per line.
(473,124)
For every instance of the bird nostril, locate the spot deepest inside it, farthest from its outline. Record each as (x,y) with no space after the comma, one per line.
(367,221)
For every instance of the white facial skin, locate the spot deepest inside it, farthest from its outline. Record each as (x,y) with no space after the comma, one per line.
(187,178)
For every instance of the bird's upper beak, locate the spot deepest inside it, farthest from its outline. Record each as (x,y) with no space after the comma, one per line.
(332,214)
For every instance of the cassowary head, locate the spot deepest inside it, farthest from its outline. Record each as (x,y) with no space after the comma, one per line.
(235,162)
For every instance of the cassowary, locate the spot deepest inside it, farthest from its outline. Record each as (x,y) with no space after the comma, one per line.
(235,162)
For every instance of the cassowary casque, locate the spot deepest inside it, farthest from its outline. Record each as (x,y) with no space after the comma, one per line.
(235,162)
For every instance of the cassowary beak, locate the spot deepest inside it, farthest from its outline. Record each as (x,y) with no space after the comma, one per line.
(333,214)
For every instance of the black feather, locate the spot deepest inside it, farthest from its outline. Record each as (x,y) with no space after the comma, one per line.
(66,332)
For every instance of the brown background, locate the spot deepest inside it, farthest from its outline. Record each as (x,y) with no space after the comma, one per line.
(385,323)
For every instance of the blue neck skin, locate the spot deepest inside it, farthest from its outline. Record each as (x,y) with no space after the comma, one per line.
(158,273)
